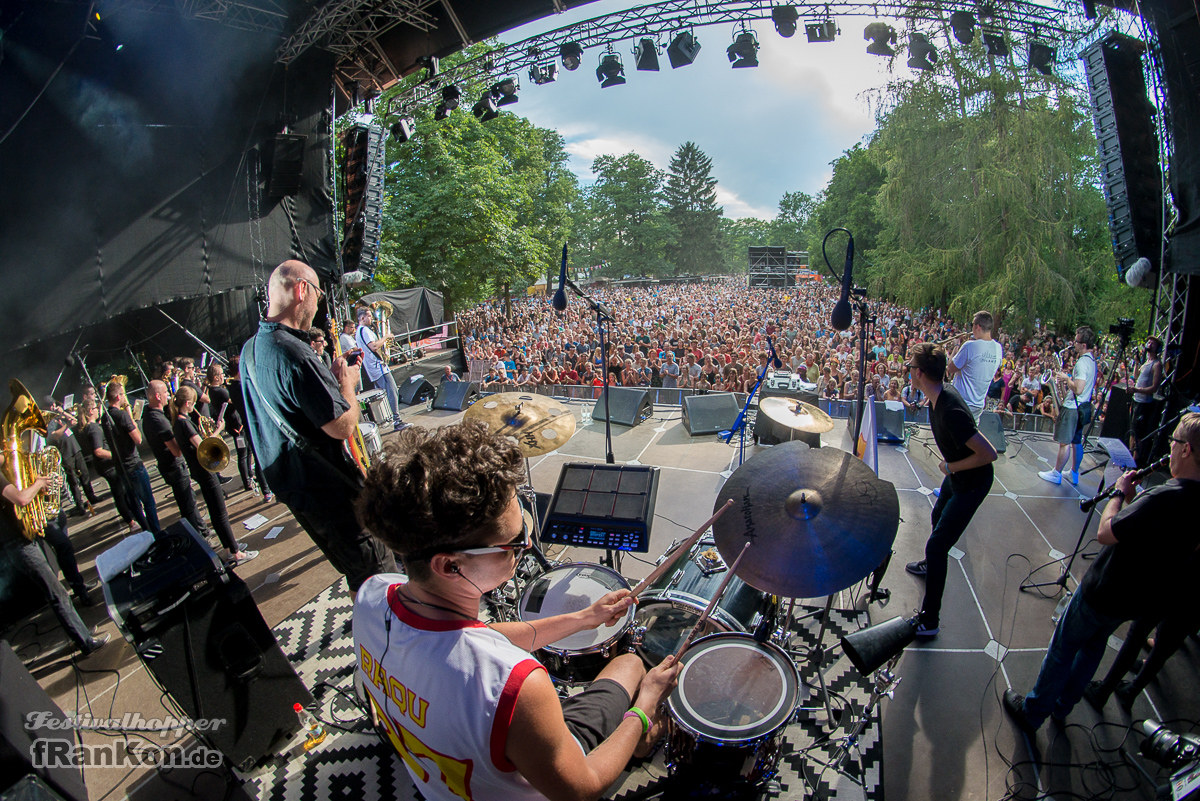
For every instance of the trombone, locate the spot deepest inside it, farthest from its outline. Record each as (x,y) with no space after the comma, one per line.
(213,452)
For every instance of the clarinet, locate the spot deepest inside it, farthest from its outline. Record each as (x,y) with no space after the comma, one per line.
(1086,505)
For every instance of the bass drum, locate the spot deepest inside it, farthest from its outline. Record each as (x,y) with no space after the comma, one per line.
(669,608)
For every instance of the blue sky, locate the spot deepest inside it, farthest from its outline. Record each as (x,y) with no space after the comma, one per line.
(769,130)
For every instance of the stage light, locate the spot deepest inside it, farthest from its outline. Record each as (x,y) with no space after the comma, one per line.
(571,54)
(505,91)
(785,18)
(744,50)
(450,97)
(430,63)
(1042,57)
(683,49)
(963,25)
(402,129)
(824,31)
(882,37)
(871,648)
(645,55)
(995,43)
(486,109)
(542,74)
(611,71)
(921,54)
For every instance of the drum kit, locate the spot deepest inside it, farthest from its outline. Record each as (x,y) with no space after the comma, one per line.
(789,523)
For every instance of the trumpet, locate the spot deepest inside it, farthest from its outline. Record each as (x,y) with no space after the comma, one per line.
(212,453)
(956,337)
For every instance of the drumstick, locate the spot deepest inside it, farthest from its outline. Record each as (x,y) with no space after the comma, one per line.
(711,604)
(688,543)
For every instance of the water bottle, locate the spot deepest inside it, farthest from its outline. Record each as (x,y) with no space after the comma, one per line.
(314,732)
(1061,607)
(586,415)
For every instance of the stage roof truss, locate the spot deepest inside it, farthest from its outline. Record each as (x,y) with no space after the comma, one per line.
(345,27)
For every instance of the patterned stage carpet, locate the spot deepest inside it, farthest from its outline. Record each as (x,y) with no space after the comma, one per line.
(357,765)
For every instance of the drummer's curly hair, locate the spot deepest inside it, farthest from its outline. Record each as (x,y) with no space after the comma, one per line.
(439,488)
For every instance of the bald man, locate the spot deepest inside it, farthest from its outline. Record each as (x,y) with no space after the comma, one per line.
(156,428)
(307,466)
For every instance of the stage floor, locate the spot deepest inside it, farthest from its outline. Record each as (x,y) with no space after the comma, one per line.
(945,735)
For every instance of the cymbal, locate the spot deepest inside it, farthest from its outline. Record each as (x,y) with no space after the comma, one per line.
(796,414)
(537,423)
(819,518)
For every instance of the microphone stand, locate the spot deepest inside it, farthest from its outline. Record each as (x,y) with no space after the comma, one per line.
(860,394)
(211,351)
(739,424)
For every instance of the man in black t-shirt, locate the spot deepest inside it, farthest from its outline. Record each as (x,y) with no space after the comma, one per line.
(171,466)
(967,458)
(315,477)
(127,439)
(1151,541)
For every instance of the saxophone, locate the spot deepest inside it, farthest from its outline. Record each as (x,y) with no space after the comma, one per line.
(1056,380)
(355,445)
(27,457)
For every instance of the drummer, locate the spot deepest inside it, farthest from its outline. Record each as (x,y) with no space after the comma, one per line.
(469,710)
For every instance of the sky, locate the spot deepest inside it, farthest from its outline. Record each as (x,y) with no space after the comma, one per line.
(771,129)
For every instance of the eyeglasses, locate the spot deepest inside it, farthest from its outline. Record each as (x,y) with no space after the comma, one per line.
(320,292)
(518,545)
(1180,441)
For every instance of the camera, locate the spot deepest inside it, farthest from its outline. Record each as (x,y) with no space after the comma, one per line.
(353,357)
(1123,327)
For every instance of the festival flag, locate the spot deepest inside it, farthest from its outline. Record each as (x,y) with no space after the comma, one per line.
(868,441)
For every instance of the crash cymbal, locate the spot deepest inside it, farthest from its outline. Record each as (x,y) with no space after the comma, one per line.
(537,423)
(796,414)
(819,518)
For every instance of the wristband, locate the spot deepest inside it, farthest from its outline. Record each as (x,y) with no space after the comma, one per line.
(634,712)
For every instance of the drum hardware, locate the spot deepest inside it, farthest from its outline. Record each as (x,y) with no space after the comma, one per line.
(712,603)
(663,565)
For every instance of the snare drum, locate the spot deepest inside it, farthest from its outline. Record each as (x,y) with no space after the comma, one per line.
(727,713)
(571,588)
(669,608)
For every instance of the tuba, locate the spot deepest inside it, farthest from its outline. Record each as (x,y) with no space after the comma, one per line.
(27,458)
(213,452)
(381,313)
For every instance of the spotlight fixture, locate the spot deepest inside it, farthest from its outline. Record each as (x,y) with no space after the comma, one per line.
(683,49)
(430,63)
(645,55)
(450,97)
(921,54)
(963,25)
(542,74)
(611,71)
(505,91)
(823,31)
(883,39)
(486,109)
(571,54)
(785,18)
(995,43)
(744,50)
(1041,57)
(402,129)
(871,648)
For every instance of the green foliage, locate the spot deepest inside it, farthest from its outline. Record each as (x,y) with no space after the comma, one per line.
(691,197)
(739,235)
(620,220)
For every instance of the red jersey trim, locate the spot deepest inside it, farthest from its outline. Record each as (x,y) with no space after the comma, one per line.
(410,618)
(505,709)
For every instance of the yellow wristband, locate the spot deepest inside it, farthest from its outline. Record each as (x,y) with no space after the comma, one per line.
(634,712)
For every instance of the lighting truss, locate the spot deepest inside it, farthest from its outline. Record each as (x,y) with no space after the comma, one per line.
(345,26)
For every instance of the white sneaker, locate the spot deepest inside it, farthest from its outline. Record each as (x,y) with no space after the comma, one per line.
(1074,477)
(1053,476)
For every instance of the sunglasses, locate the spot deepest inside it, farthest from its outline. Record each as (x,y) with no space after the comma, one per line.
(519,545)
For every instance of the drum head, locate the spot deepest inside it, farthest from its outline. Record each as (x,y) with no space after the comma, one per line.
(733,689)
(570,588)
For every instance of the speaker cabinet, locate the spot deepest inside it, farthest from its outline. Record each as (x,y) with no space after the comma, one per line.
(416,390)
(287,165)
(456,395)
(708,414)
(24,697)
(1116,415)
(198,632)
(630,406)
(991,427)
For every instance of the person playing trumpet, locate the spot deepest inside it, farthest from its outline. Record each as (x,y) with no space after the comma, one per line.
(972,368)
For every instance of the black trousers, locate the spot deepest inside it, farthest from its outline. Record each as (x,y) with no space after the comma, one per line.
(950,517)
(214,499)
(31,559)
(64,553)
(79,479)
(347,545)
(180,482)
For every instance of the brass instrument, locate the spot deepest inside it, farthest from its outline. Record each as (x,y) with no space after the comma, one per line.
(213,452)
(27,458)
(381,313)
(948,340)
(123,380)
(1056,379)
(354,445)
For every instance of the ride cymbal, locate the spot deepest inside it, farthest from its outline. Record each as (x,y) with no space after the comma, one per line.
(796,414)
(819,518)
(537,423)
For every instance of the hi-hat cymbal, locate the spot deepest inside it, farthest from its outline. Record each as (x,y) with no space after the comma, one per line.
(819,518)
(537,423)
(796,414)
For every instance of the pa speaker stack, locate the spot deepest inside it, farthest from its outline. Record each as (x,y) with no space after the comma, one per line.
(456,395)
(630,406)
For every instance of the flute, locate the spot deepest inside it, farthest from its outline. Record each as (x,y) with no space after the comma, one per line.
(1086,505)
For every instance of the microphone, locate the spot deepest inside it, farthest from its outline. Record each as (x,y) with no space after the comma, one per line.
(842,317)
(560,297)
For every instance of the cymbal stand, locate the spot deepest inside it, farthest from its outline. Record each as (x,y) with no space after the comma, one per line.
(885,683)
(817,654)
(739,423)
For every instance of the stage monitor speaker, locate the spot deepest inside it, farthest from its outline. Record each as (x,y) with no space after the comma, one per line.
(416,390)
(630,406)
(1116,415)
(28,715)
(991,427)
(708,414)
(456,395)
(198,632)
(889,423)
(287,165)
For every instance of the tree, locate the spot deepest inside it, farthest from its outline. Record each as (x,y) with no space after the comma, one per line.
(627,229)
(790,227)
(691,197)
(737,236)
